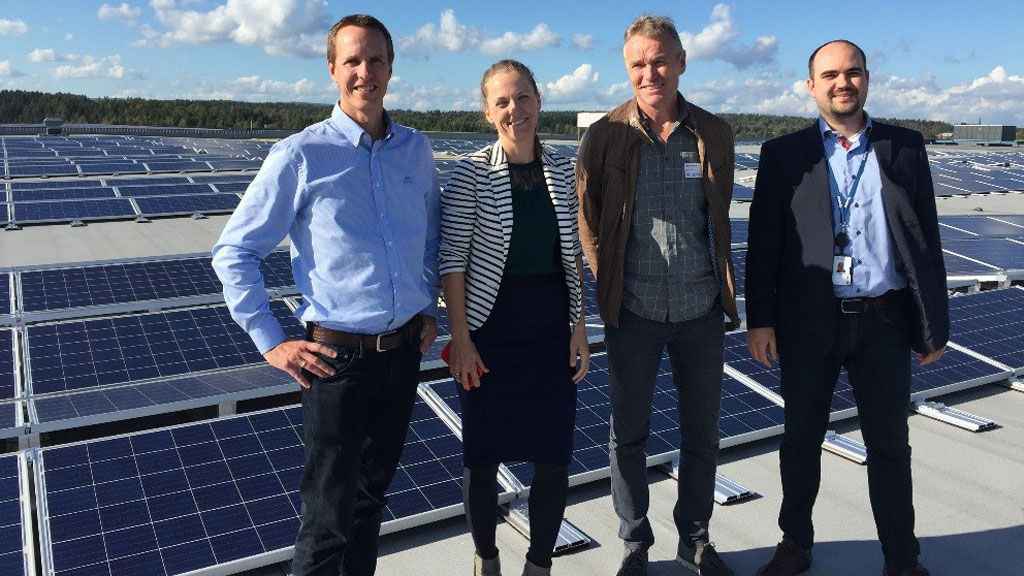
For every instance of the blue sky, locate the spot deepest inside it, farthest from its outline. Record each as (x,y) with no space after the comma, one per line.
(941,60)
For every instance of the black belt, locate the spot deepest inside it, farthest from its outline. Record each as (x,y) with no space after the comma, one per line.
(862,305)
(377,342)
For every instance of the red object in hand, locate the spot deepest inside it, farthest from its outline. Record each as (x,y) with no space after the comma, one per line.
(446,355)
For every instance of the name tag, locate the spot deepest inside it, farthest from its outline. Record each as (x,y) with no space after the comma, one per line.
(691,170)
(842,270)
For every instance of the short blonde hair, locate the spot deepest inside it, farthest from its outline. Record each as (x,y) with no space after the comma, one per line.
(651,26)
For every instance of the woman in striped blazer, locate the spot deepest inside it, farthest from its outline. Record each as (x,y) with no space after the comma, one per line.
(512,269)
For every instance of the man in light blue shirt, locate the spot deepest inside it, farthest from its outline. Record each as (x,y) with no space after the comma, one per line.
(358,196)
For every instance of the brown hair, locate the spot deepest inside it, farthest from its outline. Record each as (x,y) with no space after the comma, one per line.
(363,21)
(651,26)
(810,61)
(506,66)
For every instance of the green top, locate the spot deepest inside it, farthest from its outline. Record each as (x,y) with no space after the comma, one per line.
(534,247)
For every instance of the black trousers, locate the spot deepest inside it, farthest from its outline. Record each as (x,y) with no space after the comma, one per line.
(874,347)
(354,425)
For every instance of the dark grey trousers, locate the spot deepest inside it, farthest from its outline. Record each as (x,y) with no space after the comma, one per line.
(634,353)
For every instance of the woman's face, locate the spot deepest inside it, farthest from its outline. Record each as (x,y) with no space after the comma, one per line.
(512,106)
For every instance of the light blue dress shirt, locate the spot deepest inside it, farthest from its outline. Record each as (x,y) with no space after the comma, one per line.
(874,264)
(364,222)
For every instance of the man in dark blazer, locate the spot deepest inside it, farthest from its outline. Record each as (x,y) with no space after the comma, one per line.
(845,270)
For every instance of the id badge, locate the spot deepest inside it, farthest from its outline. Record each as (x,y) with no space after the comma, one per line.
(842,270)
(691,169)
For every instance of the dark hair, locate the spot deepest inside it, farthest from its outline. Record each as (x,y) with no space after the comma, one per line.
(810,61)
(651,26)
(363,21)
(506,66)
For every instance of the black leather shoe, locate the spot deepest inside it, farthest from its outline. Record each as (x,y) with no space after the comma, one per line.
(702,560)
(788,559)
(634,563)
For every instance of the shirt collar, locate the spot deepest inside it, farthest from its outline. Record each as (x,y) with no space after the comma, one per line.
(353,131)
(855,141)
(645,121)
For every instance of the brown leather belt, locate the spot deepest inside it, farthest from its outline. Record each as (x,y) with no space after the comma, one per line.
(367,342)
(862,305)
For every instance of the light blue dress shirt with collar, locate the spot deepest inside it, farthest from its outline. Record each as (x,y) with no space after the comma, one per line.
(874,264)
(364,221)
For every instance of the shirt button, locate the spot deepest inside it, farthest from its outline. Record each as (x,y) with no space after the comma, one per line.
(381,214)
(860,261)
(858,232)
(858,290)
(856,205)
(391,243)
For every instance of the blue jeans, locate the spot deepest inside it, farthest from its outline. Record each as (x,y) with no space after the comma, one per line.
(354,426)
(695,348)
(874,347)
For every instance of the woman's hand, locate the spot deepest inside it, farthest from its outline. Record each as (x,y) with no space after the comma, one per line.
(466,365)
(579,348)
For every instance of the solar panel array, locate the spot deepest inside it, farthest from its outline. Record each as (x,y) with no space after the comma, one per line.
(988,323)
(190,497)
(14,546)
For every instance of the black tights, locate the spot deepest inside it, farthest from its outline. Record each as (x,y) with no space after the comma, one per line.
(547,505)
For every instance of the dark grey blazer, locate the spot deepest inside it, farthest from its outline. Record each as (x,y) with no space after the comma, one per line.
(789,255)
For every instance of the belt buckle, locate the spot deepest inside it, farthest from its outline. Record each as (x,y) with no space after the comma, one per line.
(858,304)
(382,336)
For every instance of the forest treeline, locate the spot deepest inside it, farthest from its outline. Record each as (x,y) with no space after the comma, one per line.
(17,106)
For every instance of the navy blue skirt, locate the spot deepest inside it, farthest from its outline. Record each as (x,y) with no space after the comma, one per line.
(525,407)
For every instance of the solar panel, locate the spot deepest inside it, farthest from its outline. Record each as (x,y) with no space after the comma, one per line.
(232,187)
(75,355)
(201,495)
(164,190)
(1002,253)
(984,226)
(176,166)
(40,194)
(85,408)
(741,193)
(111,167)
(739,229)
(120,283)
(5,213)
(739,267)
(57,169)
(8,364)
(956,370)
(15,524)
(950,232)
(146,181)
(207,203)
(240,164)
(959,266)
(6,302)
(72,210)
(988,323)
(78,183)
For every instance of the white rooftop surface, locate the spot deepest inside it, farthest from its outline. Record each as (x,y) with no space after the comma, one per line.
(969,487)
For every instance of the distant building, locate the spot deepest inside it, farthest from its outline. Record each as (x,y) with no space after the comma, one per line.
(585,119)
(984,133)
(52,126)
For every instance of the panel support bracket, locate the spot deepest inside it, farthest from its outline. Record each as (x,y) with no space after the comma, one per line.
(570,538)
(846,447)
(726,491)
(957,418)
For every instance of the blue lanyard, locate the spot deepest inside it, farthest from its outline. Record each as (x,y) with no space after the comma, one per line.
(844,200)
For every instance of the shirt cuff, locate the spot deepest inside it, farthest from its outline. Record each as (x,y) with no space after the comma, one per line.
(267,335)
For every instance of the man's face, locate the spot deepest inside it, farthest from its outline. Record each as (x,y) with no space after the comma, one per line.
(361,70)
(654,69)
(840,82)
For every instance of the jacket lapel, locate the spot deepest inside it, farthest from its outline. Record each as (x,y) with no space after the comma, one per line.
(818,176)
(497,172)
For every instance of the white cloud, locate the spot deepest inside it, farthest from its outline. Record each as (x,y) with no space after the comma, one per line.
(717,41)
(69,36)
(572,87)
(12,27)
(441,97)
(511,42)
(127,14)
(44,55)
(583,41)
(280,27)
(94,67)
(5,68)
(255,87)
(447,36)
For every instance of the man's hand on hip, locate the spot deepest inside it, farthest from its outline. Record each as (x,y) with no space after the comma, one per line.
(761,344)
(428,333)
(294,356)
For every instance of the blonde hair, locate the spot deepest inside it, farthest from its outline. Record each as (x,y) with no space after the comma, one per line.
(651,26)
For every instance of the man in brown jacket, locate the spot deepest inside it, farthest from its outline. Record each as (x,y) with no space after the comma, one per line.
(655,179)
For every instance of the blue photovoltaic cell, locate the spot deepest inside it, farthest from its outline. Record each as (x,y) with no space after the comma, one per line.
(741,193)
(55,169)
(989,323)
(164,190)
(219,178)
(232,187)
(241,164)
(743,411)
(738,229)
(40,194)
(7,371)
(5,293)
(739,266)
(984,226)
(135,282)
(953,368)
(738,357)
(176,166)
(108,167)
(949,232)
(153,205)
(119,402)
(5,213)
(186,498)
(999,252)
(51,184)
(12,541)
(960,266)
(72,356)
(72,210)
(146,181)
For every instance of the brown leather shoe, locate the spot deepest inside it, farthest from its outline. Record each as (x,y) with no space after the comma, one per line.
(917,570)
(788,559)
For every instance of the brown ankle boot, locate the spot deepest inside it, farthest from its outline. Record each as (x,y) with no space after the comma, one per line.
(489,567)
(531,569)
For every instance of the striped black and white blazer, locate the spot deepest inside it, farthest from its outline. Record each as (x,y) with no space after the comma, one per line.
(476,226)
